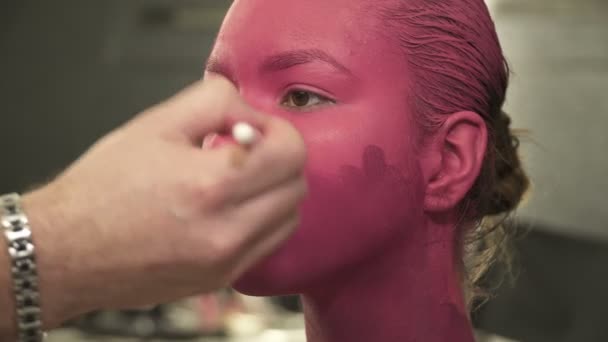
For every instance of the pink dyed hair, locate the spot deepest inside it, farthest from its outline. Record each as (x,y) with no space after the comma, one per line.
(455,57)
(457,64)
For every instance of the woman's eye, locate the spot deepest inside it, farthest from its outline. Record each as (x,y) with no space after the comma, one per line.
(301,99)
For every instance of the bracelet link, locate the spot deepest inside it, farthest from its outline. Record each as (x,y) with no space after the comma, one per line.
(21,236)
(28,298)
(21,249)
(23,268)
(14,220)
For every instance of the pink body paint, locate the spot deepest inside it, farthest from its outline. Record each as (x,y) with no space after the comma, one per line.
(368,261)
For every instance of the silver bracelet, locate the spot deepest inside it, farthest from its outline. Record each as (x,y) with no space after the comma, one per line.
(23,268)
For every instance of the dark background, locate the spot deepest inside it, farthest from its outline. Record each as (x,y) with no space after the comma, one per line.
(71,70)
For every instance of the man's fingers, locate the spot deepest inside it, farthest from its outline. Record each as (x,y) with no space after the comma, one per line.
(260,224)
(273,217)
(219,106)
(265,247)
(264,210)
(207,106)
(278,156)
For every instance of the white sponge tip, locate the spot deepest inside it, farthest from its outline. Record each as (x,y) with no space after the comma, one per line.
(244,133)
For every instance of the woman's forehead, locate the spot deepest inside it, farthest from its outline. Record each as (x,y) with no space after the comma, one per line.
(297,21)
(340,29)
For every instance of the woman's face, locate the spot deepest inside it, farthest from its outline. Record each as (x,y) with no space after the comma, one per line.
(323,66)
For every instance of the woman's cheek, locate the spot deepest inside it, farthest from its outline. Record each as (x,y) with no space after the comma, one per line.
(331,147)
(358,209)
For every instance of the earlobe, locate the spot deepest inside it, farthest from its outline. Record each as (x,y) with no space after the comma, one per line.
(458,153)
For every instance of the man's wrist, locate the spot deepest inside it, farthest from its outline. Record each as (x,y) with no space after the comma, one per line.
(8,323)
(57,286)
(22,251)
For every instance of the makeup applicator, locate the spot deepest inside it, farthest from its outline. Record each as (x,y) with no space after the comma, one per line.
(246,136)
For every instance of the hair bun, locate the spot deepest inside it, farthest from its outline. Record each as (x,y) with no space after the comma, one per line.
(511,182)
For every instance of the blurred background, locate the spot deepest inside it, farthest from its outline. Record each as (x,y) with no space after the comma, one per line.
(71,70)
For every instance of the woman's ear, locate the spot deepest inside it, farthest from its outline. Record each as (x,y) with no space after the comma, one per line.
(453,160)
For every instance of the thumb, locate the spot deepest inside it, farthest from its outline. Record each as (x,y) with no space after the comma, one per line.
(207,106)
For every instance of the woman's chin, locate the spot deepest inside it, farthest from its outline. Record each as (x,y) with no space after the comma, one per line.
(272,277)
(257,283)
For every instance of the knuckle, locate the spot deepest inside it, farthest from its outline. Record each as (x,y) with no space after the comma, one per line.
(205,194)
(297,218)
(225,251)
(225,93)
(297,192)
(296,153)
(303,188)
(291,157)
(289,145)
(294,223)
(273,158)
(221,83)
(215,196)
(219,250)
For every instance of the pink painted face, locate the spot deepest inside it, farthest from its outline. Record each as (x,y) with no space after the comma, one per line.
(323,66)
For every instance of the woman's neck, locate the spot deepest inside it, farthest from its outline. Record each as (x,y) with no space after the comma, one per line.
(410,292)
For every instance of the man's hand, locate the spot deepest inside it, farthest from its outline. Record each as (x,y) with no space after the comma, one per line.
(147,216)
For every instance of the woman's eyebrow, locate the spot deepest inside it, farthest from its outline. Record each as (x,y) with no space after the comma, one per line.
(289,59)
(217,66)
